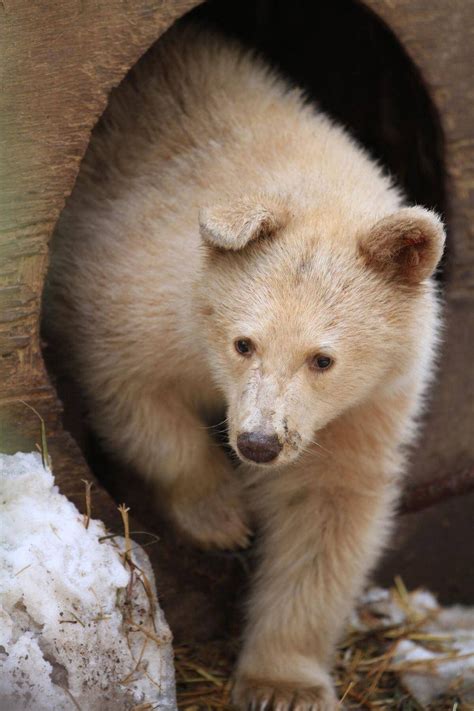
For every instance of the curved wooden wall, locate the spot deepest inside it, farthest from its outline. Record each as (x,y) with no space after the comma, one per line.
(59,61)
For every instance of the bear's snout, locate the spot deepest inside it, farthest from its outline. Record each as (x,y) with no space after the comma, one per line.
(259,447)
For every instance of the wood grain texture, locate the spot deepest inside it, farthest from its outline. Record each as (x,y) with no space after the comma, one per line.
(59,60)
(439,39)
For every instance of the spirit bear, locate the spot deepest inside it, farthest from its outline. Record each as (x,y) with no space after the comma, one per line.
(229,248)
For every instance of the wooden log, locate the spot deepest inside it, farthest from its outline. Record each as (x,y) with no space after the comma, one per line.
(59,61)
(423,496)
(438,40)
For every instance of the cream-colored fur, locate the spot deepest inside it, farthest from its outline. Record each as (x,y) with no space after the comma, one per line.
(215,205)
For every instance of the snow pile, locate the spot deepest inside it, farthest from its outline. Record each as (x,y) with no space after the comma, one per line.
(434,653)
(78,627)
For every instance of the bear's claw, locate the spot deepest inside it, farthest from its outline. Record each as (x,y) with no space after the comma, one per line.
(250,695)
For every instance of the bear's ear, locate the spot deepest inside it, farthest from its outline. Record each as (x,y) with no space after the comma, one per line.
(232,226)
(406,245)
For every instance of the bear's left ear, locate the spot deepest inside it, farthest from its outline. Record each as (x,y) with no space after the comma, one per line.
(232,226)
(406,245)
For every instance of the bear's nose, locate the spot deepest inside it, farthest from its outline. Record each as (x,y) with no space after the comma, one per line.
(259,447)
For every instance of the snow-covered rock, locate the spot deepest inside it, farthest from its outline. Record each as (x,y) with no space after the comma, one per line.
(79,628)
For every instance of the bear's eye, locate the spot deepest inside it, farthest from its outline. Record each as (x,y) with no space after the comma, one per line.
(244,346)
(320,362)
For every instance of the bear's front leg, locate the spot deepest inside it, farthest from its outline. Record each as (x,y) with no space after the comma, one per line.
(166,441)
(319,541)
(205,500)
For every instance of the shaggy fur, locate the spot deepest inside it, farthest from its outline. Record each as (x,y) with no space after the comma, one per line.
(215,205)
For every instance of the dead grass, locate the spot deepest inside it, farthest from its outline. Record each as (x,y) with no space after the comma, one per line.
(366,675)
(203,675)
(42,446)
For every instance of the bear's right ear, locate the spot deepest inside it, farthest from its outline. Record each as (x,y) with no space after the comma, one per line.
(247,219)
(406,246)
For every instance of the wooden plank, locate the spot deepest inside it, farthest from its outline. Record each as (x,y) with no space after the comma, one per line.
(439,38)
(59,61)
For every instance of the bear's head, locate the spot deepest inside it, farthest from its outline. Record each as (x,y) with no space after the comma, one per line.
(306,316)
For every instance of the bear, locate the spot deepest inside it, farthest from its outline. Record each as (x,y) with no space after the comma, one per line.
(229,248)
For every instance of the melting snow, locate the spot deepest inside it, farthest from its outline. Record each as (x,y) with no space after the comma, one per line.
(69,610)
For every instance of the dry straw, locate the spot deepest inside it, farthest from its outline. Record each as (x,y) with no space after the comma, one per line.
(366,674)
